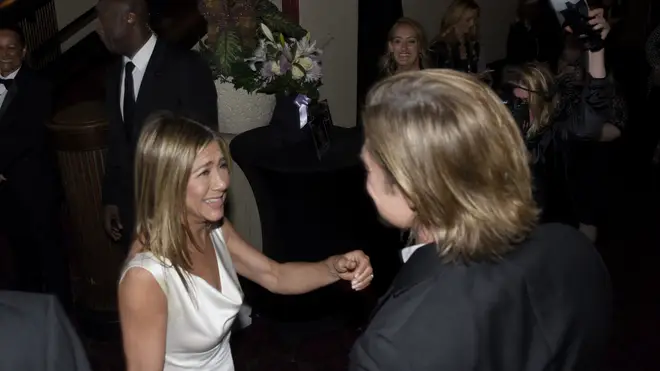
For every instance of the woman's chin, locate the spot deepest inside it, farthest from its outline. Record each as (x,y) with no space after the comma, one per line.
(214,215)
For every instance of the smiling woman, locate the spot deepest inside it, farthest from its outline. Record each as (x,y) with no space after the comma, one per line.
(179,292)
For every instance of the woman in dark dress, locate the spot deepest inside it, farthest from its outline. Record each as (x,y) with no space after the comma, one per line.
(457,44)
(565,117)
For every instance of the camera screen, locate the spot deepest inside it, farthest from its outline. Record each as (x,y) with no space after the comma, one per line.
(561,5)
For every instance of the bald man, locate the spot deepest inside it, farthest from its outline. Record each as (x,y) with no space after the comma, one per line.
(151,75)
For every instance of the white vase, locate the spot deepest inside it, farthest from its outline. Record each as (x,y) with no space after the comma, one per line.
(239,111)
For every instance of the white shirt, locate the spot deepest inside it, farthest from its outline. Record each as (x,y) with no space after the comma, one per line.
(3,89)
(407,252)
(140,60)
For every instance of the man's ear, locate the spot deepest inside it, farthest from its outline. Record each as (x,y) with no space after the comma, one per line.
(131,18)
(24,53)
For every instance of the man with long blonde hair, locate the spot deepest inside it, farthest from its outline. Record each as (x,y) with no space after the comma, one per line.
(485,287)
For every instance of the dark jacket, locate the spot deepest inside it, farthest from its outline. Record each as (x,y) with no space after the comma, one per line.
(26,109)
(581,113)
(175,80)
(545,306)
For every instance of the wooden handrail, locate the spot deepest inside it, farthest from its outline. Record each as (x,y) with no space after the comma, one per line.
(65,33)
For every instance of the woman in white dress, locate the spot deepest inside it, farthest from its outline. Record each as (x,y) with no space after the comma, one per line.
(179,293)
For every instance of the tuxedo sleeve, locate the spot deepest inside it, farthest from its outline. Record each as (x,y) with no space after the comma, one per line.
(199,97)
(64,350)
(28,134)
(113,170)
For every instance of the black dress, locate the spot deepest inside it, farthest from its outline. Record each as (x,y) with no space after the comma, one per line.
(563,154)
(447,55)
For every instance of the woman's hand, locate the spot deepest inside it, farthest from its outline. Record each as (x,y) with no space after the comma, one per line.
(599,23)
(355,267)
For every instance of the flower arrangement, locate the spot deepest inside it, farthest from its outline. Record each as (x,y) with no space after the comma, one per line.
(252,45)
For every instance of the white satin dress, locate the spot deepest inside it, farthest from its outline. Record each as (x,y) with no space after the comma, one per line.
(198,327)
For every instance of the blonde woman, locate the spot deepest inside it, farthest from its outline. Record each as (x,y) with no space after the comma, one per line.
(179,293)
(406,48)
(563,118)
(457,44)
(484,287)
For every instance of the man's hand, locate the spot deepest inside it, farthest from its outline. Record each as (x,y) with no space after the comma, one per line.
(2,178)
(355,267)
(112,223)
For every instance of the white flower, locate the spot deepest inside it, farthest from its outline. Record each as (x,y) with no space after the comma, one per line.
(306,63)
(259,55)
(275,68)
(306,47)
(297,72)
(315,73)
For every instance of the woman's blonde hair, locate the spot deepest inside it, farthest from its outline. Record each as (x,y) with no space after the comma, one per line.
(453,15)
(387,62)
(453,149)
(537,79)
(166,151)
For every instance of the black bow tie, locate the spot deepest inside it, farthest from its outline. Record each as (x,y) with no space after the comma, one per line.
(6,82)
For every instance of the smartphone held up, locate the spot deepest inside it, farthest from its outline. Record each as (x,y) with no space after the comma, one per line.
(575,14)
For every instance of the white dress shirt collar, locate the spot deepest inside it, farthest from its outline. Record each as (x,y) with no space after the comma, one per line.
(407,252)
(142,57)
(11,75)
(3,89)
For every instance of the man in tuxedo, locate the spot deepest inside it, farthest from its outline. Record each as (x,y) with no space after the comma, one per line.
(36,335)
(151,76)
(30,193)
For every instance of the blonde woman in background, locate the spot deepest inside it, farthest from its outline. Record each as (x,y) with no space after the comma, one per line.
(485,288)
(406,48)
(457,44)
(565,118)
(179,292)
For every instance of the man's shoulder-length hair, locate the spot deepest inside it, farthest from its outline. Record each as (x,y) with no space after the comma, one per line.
(453,149)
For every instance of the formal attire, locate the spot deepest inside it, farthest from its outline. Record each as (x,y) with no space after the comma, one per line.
(160,77)
(36,335)
(199,321)
(31,196)
(448,55)
(545,306)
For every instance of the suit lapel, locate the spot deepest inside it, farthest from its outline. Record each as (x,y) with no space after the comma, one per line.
(114,92)
(422,265)
(11,94)
(13,91)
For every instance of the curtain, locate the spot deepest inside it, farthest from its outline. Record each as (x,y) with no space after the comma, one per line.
(375,18)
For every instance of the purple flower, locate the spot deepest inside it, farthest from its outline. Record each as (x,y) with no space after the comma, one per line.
(267,70)
(285,65)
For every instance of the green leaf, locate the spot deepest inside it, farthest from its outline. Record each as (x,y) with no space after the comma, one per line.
(277,22)
(228,50)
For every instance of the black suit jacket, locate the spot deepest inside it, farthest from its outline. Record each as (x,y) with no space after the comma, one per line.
(546,306)
(36,335)
(23,116)
(175,80)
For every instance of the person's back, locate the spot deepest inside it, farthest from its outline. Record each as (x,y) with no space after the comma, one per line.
(36,335)
(486,288)
(545,306)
